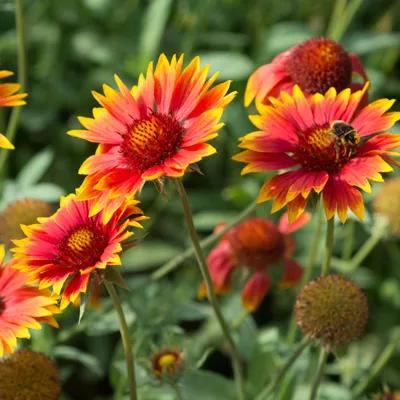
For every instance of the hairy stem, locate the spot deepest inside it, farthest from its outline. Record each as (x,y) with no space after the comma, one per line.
(210,289)
(311,261)
(330,233)
(347,249)
(123,327)
(342,16)
(323,355)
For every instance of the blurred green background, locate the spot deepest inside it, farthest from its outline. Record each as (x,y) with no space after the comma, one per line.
(73,47)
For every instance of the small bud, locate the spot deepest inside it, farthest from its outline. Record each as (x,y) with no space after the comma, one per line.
(167,364)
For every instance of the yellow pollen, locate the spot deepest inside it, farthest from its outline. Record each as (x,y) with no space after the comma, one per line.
(81,239)
(320,138)
(143,132)
(166,360)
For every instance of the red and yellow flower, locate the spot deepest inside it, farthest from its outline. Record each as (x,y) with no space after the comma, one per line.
(256,244)
(315,65)
(21,307)
(66,249)
(157,128)
(302,138)
(9,98)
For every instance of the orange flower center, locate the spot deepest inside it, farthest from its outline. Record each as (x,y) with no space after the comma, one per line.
(82,248)
(152,140)
(318,64)
(257,243)
(321,148)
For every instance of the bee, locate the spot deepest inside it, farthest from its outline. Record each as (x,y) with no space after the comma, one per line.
(346,138)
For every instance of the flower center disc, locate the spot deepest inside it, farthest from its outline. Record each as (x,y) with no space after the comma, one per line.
(320,149)
(319,64)
(82,248)
(152,140)
(258,244)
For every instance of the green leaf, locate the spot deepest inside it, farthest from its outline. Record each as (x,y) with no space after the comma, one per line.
(148,255)
(108,322)
(229,64)
(90,46)
(281,37)
(154,23)
(35,168)
(368,42)
(84,298)
(205,385)
(44,191)
(71,353)
(208,220)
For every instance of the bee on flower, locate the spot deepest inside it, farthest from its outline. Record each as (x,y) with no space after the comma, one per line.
(256,244)
(323,144)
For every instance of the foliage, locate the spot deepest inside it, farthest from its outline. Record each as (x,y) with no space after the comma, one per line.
(76,45)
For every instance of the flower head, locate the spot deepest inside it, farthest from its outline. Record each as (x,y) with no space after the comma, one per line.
(332,310)
(315,65)
(21,307)
(23,211)
(64,250)
(387,203)
(9,98)
(156,129)
(255,244)
(29,375)
(167,364)
(326,143)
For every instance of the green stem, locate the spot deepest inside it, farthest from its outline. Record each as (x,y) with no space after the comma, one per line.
(323,355)
(178,391)
(14,118)
(123,327)
(330,232)
(337,13)
(379,231)
(348,240)
(369,245)
(210,289)
(377,366)
(330,236)
(341,18)
(284,369)
(311,260)
(208,241)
